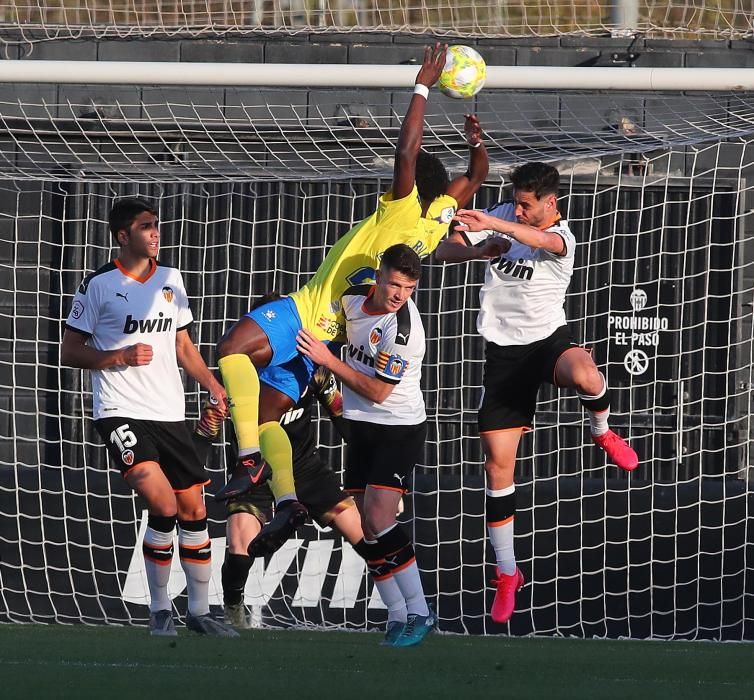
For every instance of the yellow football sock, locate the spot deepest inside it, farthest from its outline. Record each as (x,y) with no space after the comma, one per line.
(242,384)
(277,452)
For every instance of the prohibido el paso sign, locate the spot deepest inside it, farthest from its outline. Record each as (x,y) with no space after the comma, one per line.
(636,335)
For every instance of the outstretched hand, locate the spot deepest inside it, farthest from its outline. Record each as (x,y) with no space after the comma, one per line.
(472,130)
(473,220)
(433,64)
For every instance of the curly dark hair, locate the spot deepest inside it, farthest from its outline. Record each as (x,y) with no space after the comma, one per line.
(432,178)
(540,178)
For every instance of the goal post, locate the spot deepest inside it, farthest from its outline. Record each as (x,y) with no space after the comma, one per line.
(80,128)
(332,75)
(253,187)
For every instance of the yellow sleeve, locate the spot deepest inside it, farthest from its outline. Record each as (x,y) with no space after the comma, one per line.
(435,224)
(442,209)
(400,213)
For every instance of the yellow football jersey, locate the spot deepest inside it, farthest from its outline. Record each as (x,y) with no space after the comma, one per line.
(355,257)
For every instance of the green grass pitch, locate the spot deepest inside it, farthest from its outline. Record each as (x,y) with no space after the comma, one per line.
(57,661)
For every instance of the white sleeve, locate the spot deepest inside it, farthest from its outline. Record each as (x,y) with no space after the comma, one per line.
(562,229)
(502,210)
(84,311)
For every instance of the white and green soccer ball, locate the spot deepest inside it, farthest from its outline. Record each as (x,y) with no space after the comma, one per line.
(464,73)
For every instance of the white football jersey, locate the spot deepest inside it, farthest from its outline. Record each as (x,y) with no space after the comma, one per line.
(521,300)
(390,347)
(115,310)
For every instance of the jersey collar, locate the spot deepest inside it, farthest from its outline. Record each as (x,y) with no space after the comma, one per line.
(556,217)
(144,278)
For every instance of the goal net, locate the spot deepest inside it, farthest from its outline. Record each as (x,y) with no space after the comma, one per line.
(29,22)
(253,187)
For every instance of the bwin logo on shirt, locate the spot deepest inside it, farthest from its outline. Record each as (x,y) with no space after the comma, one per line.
(147,325)
(359,355)
(515,269)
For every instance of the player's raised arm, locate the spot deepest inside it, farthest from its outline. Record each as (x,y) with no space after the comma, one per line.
(412,128)
(455,249)
(464,187)
(474,220)
(458,248)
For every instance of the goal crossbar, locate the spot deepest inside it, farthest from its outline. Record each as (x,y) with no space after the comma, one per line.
(370,76)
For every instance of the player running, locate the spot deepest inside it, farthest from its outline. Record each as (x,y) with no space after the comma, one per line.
(522,319)
(416,211)
(383,401)
(129,325)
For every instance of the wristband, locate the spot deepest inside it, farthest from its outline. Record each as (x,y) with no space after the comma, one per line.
(422,90)
(475,145)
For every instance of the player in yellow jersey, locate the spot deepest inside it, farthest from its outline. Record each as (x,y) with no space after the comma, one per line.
(417,212)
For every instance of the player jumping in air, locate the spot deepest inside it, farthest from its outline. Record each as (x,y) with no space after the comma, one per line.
(416,211)
(528,342)
(317,484)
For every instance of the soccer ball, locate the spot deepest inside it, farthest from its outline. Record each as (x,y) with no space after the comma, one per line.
(464,73)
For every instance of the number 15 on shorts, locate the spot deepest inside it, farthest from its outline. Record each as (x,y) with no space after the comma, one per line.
(124,439)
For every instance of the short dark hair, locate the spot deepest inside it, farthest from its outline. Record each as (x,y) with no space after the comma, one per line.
(540,178)
(266,299)
(401,258)
(432,178)
(124,212)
